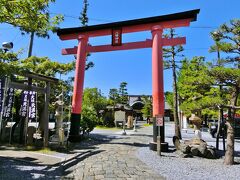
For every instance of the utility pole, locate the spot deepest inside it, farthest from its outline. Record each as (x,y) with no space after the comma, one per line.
(220,119)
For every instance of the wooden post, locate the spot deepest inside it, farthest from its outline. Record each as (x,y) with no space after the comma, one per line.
(46,115)
(154,130)
(159,141)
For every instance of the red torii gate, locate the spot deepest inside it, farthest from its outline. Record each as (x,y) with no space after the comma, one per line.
(154,24)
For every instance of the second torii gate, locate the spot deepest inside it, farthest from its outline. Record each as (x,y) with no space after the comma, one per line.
(154,24)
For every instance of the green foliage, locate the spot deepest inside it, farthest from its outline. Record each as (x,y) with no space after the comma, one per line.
(89,119)
(45,66)
(84,22)
(118,95)
(147,108)
(29,16)
(123,99)
(227,38)
(169,98)
(83,16)
(113,96)
(10,64)
(93,97)
(170,53)
(196,88)
(226,76)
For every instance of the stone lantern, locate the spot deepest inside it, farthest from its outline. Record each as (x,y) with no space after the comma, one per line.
(196,121)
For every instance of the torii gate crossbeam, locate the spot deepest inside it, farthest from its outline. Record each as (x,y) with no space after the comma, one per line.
(154,24)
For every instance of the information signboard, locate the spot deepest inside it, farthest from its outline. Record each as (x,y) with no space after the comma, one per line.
(159,120)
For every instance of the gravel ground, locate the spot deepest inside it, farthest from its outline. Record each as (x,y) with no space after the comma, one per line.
(172,166)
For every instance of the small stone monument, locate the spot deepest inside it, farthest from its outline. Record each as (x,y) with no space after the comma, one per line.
(59,136)
(130,122)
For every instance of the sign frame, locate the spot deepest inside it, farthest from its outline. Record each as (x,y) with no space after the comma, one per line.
(116,36)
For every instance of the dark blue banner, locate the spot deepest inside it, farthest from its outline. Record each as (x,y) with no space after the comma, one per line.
(24,105)
(28,105)
(32,105)
(9,104)
(2,84)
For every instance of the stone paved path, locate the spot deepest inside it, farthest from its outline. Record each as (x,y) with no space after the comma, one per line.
(113,157)
(109,155)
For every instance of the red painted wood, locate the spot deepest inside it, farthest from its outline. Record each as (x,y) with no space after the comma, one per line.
(130,29)
(157,72)
(127,46)
(79,75)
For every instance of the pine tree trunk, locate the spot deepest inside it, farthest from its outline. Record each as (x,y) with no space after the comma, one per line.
(175,100)
(30,44)
(229,155)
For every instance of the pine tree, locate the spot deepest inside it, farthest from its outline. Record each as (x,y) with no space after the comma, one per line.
(83,15)
(147,108)
(170,62)
(123,93)
(227,37)
(84,22)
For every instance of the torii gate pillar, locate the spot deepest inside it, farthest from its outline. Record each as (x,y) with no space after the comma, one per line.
(78,88)
(157,75)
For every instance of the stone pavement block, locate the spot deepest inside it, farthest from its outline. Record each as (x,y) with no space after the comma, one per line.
(118,171)
(89,173)
(99,172)
(99,177)
(89,178)
(129,172)
(123,175)
(111,175)
(79,174)
(109,171)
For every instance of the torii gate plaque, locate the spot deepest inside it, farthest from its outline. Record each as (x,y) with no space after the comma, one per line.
(154,24)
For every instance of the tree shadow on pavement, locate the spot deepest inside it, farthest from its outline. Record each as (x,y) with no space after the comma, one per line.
(22,168)
(68,164)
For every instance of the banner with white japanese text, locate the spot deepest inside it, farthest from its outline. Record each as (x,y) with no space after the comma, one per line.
(28,105)
(2,84)
(32,105)
(24,104)
(9,104)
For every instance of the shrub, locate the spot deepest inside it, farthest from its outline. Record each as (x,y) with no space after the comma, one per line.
(89,119)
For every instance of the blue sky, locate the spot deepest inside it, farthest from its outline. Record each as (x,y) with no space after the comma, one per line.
(134,67)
